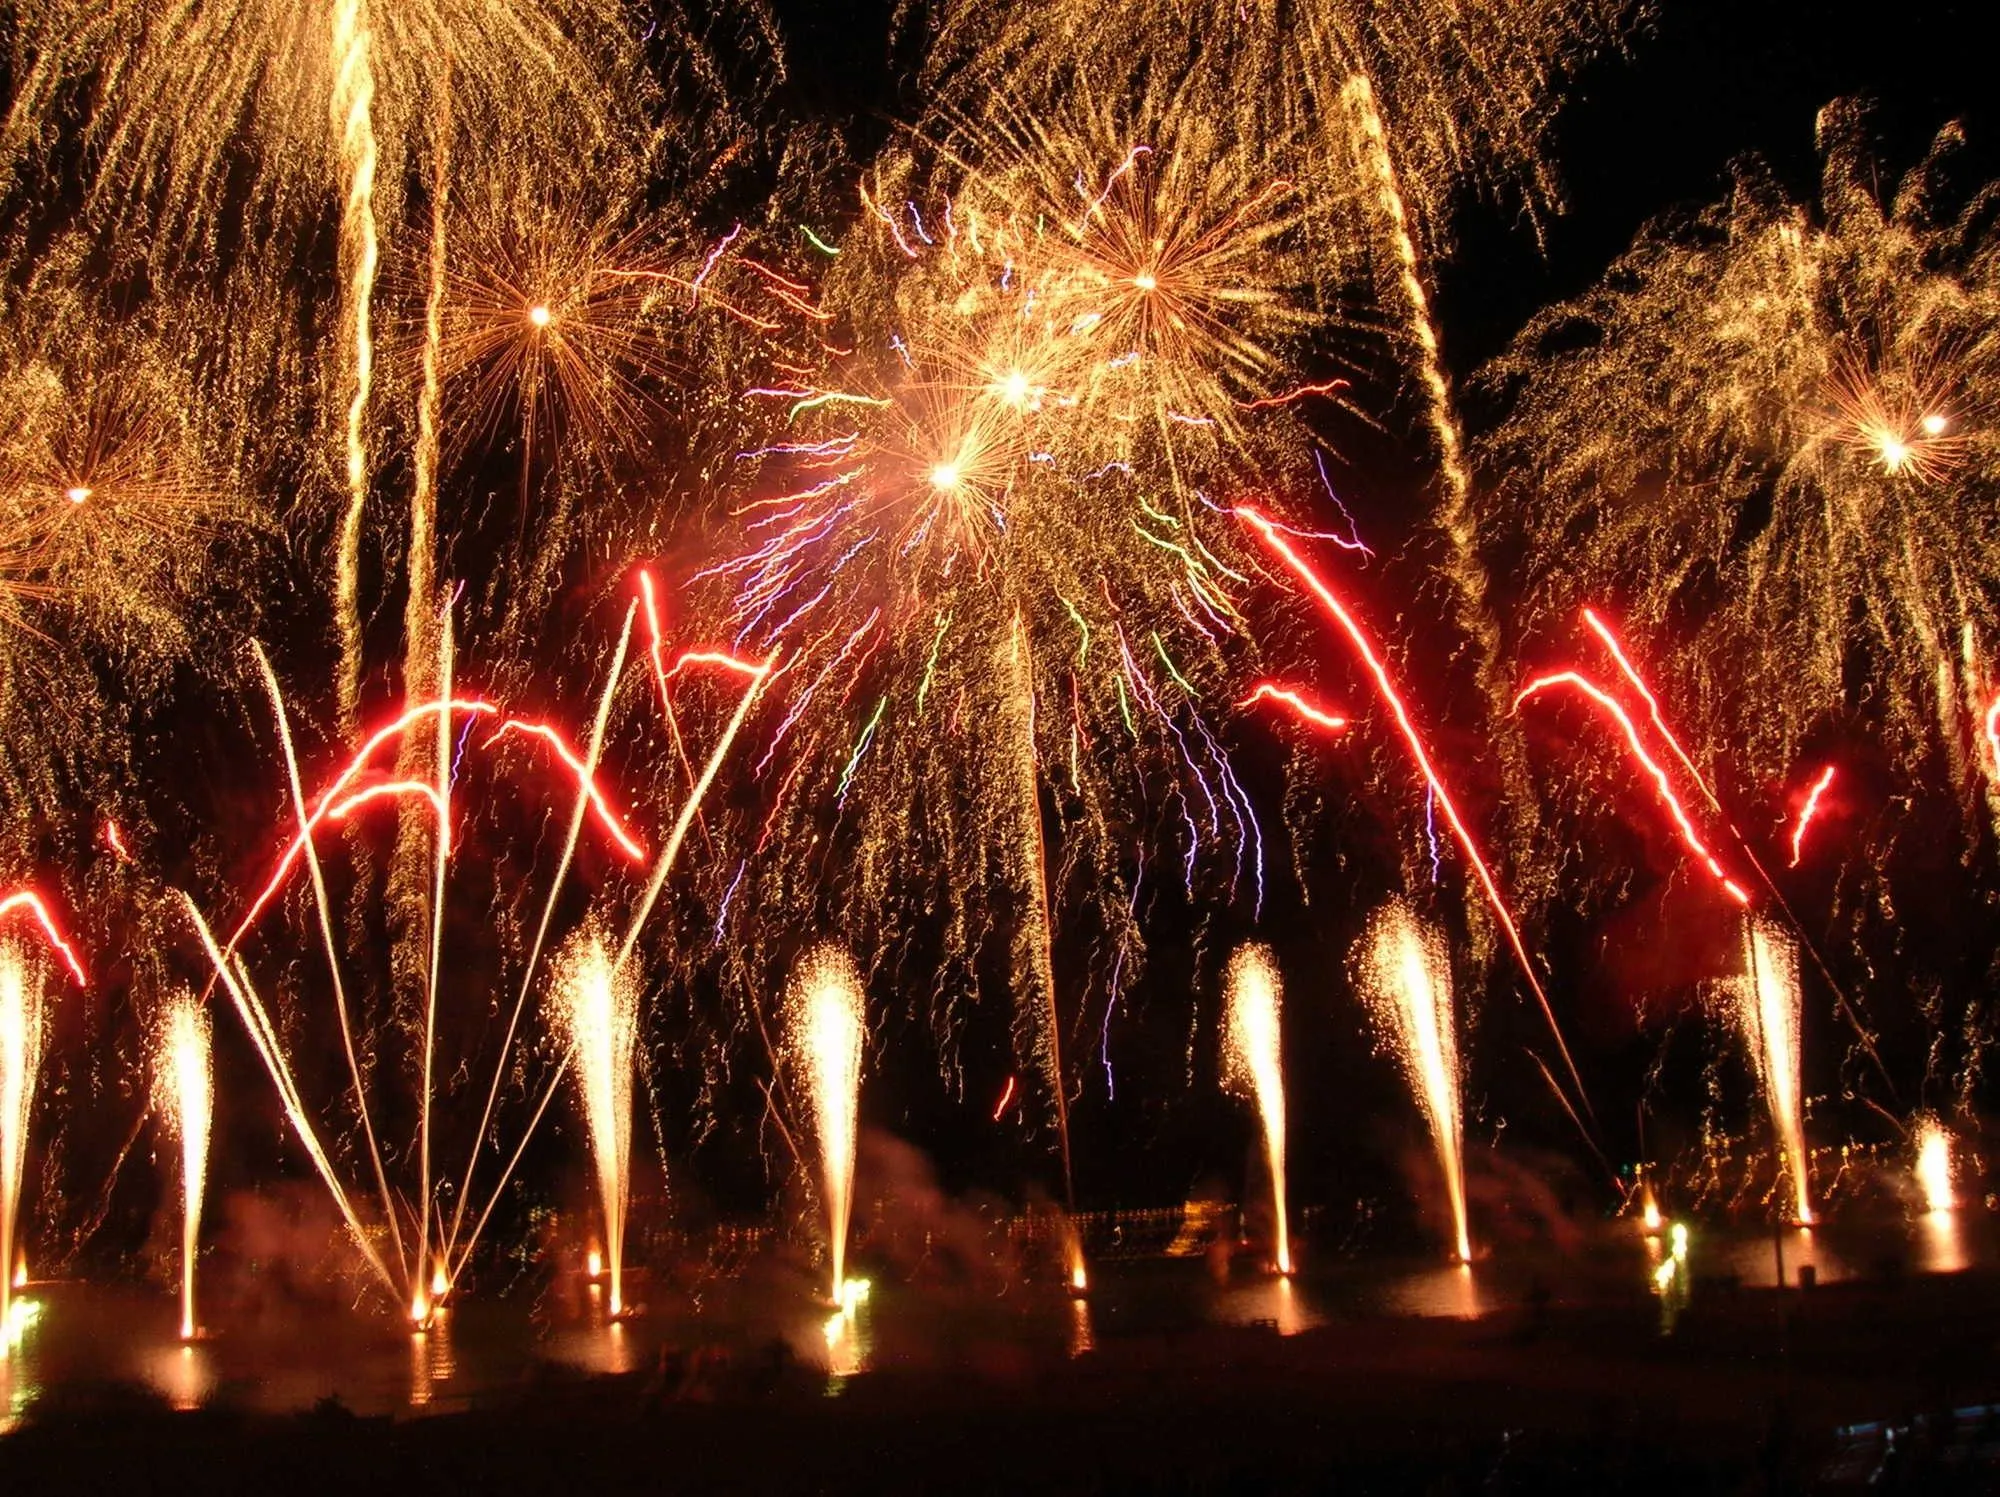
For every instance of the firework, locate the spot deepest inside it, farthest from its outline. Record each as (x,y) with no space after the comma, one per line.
(825,1029)
(1403,973)
(1767,1007)
(23,984)
(21,988)
(1465,90)
(1808,809)
(965,510)
(1934,1166)
(111,490)
(598,1009)
(333,93)
(185,1087)
(414,1260)
(1615,710)
(550,309)
(1764,430)
(1273,536)
(1253,1067)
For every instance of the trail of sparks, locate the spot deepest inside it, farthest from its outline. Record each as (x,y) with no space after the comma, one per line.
(1808,811)
(334,792)
(586,781)
(395,790)
(1631,673)
(342,790)
(1648,763)
(353,106)
(1329,388)
(1337,611)
(31,902)
(1268,691)
(115,840)
(1006,1096)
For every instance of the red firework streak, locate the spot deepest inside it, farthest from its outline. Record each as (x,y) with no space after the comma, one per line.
(1993,734)
(343,796)
(31,902)
(1808,811)
(395,790)
(1603,631)
(1661,783)
(585,781)
(1337,611)
(1319,717)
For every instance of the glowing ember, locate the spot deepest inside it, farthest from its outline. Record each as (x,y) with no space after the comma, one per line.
(1404,974)
(1934,1166)
(1768,1005)
(187,1095)
(825,1033)
(1649,1211)
(598,1009)
(1253,1066)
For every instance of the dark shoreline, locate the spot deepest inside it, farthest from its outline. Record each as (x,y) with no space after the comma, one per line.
(1745,1396)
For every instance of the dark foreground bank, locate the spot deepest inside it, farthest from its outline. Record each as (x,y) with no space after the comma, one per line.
(1749,1394)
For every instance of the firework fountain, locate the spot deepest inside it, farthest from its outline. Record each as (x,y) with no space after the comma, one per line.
(187,1096)
(1767,1007)
(824,1029)
(1934,1166)
(185,1089)
(1404,974)
(598,1008)
(21,988)
(1253,1067)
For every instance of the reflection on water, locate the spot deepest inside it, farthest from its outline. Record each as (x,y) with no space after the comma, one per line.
(848,1342)
(1941,1242)
(433,1359)
(1080,1338)
(1451,1291)
(1273,1301)
(85,1336)
(182,1375)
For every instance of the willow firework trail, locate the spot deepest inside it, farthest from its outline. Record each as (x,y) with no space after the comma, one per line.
(1047,1042)
(354,123)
